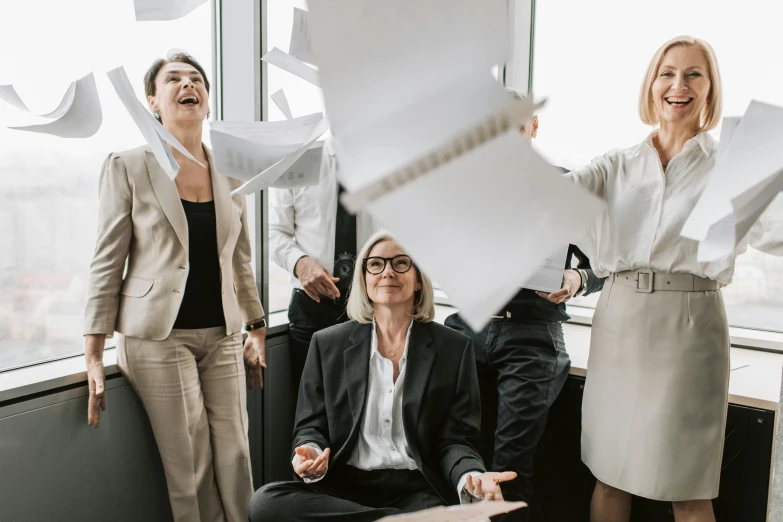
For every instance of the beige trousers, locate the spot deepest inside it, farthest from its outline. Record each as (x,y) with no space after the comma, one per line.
(192,385)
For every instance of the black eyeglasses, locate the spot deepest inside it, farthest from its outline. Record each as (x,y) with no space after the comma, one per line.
(376,265)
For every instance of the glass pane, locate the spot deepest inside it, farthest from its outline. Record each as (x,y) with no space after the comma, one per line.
(49,197)
(303,99)
(593,86)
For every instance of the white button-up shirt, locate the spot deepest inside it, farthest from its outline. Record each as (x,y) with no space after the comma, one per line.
(646,210)
(382,443)
(302,221)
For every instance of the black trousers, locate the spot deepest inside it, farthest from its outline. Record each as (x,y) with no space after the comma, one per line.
(522,368)
(348,494)
(306,317)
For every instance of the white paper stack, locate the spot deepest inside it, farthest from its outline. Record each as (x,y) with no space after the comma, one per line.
(282,154)
(747,177)
(428,142)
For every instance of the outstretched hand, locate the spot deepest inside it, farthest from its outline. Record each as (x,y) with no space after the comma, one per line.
(487,485)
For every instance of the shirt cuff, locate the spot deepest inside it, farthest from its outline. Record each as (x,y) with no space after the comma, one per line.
(319,451)
(464,496)
(291,259)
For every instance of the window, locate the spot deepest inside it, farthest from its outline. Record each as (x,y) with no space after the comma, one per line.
(303,99)
(49,197)
(590,64)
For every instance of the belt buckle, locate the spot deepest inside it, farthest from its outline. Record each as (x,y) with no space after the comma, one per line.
(649,288)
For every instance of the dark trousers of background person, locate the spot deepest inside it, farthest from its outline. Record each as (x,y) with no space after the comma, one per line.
(522,367)
(306,317)
(346,494)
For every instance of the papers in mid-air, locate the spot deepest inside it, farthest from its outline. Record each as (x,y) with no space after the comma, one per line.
(78,115)
(163,10)
(292,65)
(427,140)
(300,38)
(155,134)
(549,276)
(476,512)
(747,176)
(282,103)
(286,166)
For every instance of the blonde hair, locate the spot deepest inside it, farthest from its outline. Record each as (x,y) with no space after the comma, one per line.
(360,307)
(710,116)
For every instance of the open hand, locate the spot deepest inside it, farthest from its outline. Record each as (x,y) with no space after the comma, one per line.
(571,283)
(487,485)
(309,465)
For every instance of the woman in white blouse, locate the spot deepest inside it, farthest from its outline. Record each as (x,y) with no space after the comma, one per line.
(654,409)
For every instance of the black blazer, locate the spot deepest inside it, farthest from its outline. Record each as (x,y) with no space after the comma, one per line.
(441,405)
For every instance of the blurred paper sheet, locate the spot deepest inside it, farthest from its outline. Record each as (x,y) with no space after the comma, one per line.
(242,150)
(78,115)
(300,38)
(493,212)
(155,134)
(549,276)
(271,175)
(164,10)
(292,65)
(748,175)
(476,512)
(282,103)
(305,172)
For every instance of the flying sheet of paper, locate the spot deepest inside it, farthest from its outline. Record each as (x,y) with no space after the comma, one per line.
(242,150)
(292,65)
(265,179)
(745,180)
(377,57)
(155,134)
(300,38)
(78,115)
(516,188)
(476,512)
(305,172)
(709,210)
(549,276)
(164,10)
(282,103)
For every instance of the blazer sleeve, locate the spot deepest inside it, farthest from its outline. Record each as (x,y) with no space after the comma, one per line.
(459,436)
(115,230)
(311,423)
(244,280)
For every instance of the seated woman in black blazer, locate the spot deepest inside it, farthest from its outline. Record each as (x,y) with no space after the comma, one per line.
(394,397)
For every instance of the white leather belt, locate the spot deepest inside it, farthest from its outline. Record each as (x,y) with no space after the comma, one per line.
(648,281)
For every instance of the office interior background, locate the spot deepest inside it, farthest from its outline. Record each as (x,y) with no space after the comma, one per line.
(586,58)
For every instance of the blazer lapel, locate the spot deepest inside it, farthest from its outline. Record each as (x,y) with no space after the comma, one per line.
(168,198)
(356,372)
(221,193)
(417,373)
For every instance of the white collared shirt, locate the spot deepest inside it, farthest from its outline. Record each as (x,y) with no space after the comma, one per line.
(382,443)
(302,221)
(646,211)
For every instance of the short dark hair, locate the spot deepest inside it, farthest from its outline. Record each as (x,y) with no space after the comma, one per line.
(176,57)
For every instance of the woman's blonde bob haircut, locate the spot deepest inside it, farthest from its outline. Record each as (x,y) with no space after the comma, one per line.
(710,116)
(360,307)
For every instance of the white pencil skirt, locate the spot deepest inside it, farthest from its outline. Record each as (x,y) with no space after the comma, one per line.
(656,396)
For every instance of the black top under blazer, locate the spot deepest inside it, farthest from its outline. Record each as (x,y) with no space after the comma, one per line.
(441,405)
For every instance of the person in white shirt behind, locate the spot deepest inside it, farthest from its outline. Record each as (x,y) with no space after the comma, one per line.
(313,238)
(655,399)
(388,415)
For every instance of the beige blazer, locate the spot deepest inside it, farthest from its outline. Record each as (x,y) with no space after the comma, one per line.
(141,223)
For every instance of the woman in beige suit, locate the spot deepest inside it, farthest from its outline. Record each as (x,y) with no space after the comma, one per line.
(180,305)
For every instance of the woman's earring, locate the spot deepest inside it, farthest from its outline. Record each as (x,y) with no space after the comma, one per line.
(156,114)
